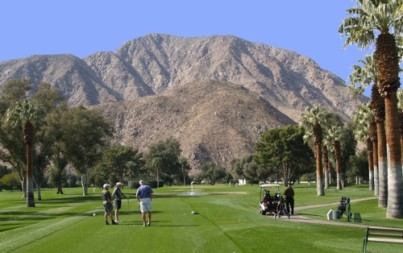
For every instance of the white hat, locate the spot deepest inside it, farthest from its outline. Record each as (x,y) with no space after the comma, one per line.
(119,183)
(106,186)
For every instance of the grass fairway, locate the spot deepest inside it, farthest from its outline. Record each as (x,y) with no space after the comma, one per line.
(227,220)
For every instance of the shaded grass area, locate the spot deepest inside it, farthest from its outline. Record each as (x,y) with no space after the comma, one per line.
(227,221)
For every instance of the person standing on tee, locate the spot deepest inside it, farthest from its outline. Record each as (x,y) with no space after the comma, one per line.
(144,195)
(117,195)
(107,203)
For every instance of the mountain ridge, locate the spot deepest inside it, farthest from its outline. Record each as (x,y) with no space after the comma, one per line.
(159,66)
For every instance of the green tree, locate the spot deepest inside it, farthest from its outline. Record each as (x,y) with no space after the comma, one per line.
(12,144)
(163,156)
(9,180)
(50,99)
(87,133)
(185,166)
(283,151)
(380,22)
(119,163)
(358,165)
(212,173)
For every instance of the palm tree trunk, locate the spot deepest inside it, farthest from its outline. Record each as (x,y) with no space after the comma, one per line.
(84,183)
(395,183)
(382,165)
(319,171)
(158,178)
(39,192)
(28,136)
(387,65)
(338,166)
(326,162)
(370,164)
(183,174)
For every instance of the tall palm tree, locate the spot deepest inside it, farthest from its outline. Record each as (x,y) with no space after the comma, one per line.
(400,106)
(374,139)
(156,162)
(381,22)
(26,114)
(361,123)
(365,76)
(326,170)
(378,109)
(183,161)
(335,134)
(312,120)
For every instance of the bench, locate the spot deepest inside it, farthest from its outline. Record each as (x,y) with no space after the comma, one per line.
(385,235)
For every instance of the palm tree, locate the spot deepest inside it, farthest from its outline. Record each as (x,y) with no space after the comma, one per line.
(365,76)
(327,173)
(27,114)
(400,106)
(361,123)
(378,109)
(375,21)
(334,134)
(184,164)
(312,120)
(156,162)
(374,140)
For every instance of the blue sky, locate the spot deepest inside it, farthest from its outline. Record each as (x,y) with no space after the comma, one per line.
(83,27)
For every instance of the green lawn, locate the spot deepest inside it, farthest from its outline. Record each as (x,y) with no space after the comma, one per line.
(227,221)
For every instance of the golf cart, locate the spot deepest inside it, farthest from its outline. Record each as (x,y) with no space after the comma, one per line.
(270,203)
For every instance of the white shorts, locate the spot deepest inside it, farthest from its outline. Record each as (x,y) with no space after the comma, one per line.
(145,205)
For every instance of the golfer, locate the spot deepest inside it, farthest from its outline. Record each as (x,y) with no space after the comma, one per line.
(144,194)
(117,195)
(107,202)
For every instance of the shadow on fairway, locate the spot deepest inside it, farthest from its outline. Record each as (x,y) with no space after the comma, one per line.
(74,199)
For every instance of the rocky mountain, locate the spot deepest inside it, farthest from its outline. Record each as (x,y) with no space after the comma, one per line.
(215,94)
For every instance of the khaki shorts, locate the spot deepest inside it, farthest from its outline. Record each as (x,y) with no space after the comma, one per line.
(145,205)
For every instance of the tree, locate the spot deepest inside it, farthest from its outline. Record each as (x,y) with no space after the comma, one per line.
(86,133)
(380,22)
(12,149)
(212,173)
(283,151)
(311,121)
(361,125)
(163,156)
(183,161)
(358,165)
(119,163)
(156,162)
(364,76)
(26,114)
(50,100)
(334,134)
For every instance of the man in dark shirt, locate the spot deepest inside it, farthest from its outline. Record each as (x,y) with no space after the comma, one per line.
(144,194)
(289,199)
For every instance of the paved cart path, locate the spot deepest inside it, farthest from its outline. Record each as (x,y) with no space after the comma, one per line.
(301,218)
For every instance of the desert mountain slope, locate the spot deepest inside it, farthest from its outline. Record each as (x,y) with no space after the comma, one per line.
(214,121)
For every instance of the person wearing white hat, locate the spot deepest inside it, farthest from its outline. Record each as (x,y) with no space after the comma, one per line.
(107,202)
(117,195)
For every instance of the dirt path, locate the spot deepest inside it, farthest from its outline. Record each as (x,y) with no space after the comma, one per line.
(300,218)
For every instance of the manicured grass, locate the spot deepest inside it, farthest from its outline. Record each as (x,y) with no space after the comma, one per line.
(227,220)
